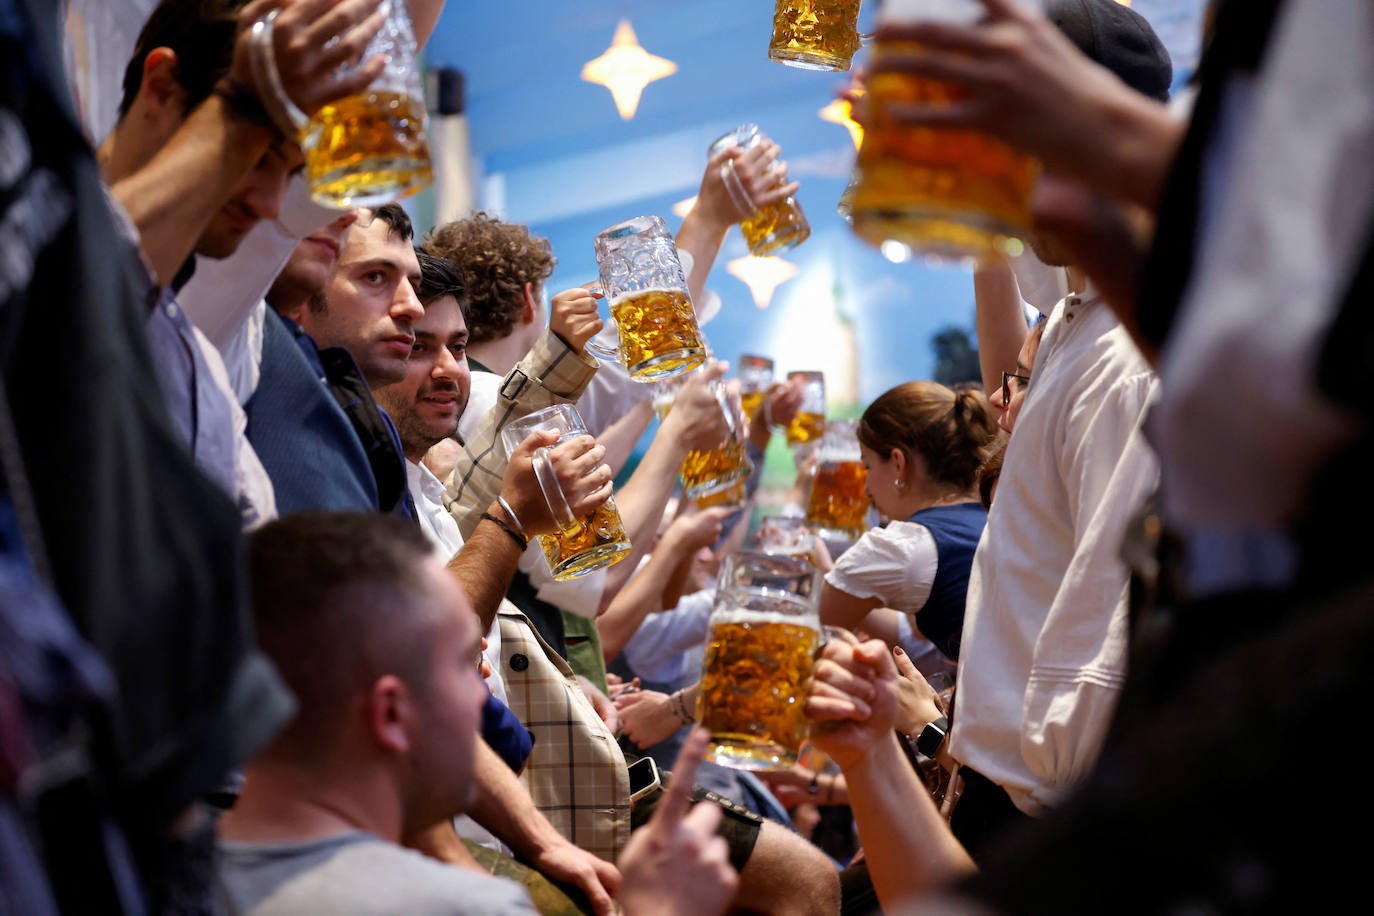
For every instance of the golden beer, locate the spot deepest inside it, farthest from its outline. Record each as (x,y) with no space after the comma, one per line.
(714,469)
(815,34)
(774,228)
(750,403)
(595,541)
(367,149)
(838,502)
(753,683)
(805,427)
(949,194)
(735,496)
(659,336)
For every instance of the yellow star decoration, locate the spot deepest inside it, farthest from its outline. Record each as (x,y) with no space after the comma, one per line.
(762,275)
(626,68)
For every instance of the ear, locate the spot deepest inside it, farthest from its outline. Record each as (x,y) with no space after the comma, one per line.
(390,713)
(897,457)
(160,90)
(531,305)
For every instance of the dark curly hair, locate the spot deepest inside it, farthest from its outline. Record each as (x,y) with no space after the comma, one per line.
(498,259)
(953,432)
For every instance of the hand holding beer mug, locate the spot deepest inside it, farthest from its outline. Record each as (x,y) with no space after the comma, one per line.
(763,631)
(815,34)
(367,147)
(809,422)
(642,279)
(585,540)
(838,505)
(772,221)
(788,536)
(755,374)
(953,194)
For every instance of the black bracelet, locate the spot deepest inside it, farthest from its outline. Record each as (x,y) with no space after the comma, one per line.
(245,103)
(520,542)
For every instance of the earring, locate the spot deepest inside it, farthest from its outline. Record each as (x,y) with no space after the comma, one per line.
(897,483)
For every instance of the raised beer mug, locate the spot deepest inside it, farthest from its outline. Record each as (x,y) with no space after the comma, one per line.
(838,505)
(786,535)
(582,544)
(708,471)
(815,34)
(948,194)
(769,229)
(370,148)
(762,635)
(642,279)
(809,423)
(755,374)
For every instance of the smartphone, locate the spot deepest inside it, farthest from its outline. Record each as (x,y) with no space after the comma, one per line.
(644,778)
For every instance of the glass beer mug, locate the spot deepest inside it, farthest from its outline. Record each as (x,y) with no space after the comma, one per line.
(708,471)
(369,148)
(770,229)
(755,374)
(815,34)
(763,631)
(809,423)
(949,194)
(838,504)
(642,279)
(787,535)
(581,544)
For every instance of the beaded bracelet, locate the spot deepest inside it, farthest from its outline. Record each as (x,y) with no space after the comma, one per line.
(515,536)
(678,707)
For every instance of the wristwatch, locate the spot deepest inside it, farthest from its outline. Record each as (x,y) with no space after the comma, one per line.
(932,736)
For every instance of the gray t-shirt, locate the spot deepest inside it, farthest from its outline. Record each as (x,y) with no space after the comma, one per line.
(356,874)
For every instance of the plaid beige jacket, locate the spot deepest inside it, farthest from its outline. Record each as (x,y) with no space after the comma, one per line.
(576,773)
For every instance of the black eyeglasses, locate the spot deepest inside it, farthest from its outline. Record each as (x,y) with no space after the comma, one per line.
(1006,385)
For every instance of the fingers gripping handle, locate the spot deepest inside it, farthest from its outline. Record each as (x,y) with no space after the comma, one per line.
(553,491)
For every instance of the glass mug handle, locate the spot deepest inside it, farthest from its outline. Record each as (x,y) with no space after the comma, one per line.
(726,410)
(553,491)
(595,346)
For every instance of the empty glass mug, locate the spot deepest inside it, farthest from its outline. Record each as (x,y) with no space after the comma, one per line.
(582,544)
(786,535)
(762,635)
(642,279)
(815,34)
(369,148)
(768,229)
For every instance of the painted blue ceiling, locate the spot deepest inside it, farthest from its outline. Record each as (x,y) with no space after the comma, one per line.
(551,150)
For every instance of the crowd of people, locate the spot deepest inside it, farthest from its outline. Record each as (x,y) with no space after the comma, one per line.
(277,635)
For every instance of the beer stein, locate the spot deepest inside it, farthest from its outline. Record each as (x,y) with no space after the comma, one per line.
(770,229)
(642,279)
(366,149)
(809,423)
(755,374)
(581,544)
(786,535)
(707,471)
(734,497)
(838,504)
(950,194)
(762,633)
(815,34)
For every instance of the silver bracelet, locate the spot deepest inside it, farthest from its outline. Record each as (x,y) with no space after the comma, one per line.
(514,519)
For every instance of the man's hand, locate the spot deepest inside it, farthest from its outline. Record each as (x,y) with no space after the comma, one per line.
(781,402)
(605,709)
(561,861)
(696,419)
(695,529)
(584,479)
(645,717)
(573,316)
(852,704)
(314,42)
(675,865)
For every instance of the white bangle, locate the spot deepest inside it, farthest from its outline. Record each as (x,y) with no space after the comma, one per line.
(514,519)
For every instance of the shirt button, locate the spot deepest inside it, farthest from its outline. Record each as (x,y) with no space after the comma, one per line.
(519,662)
